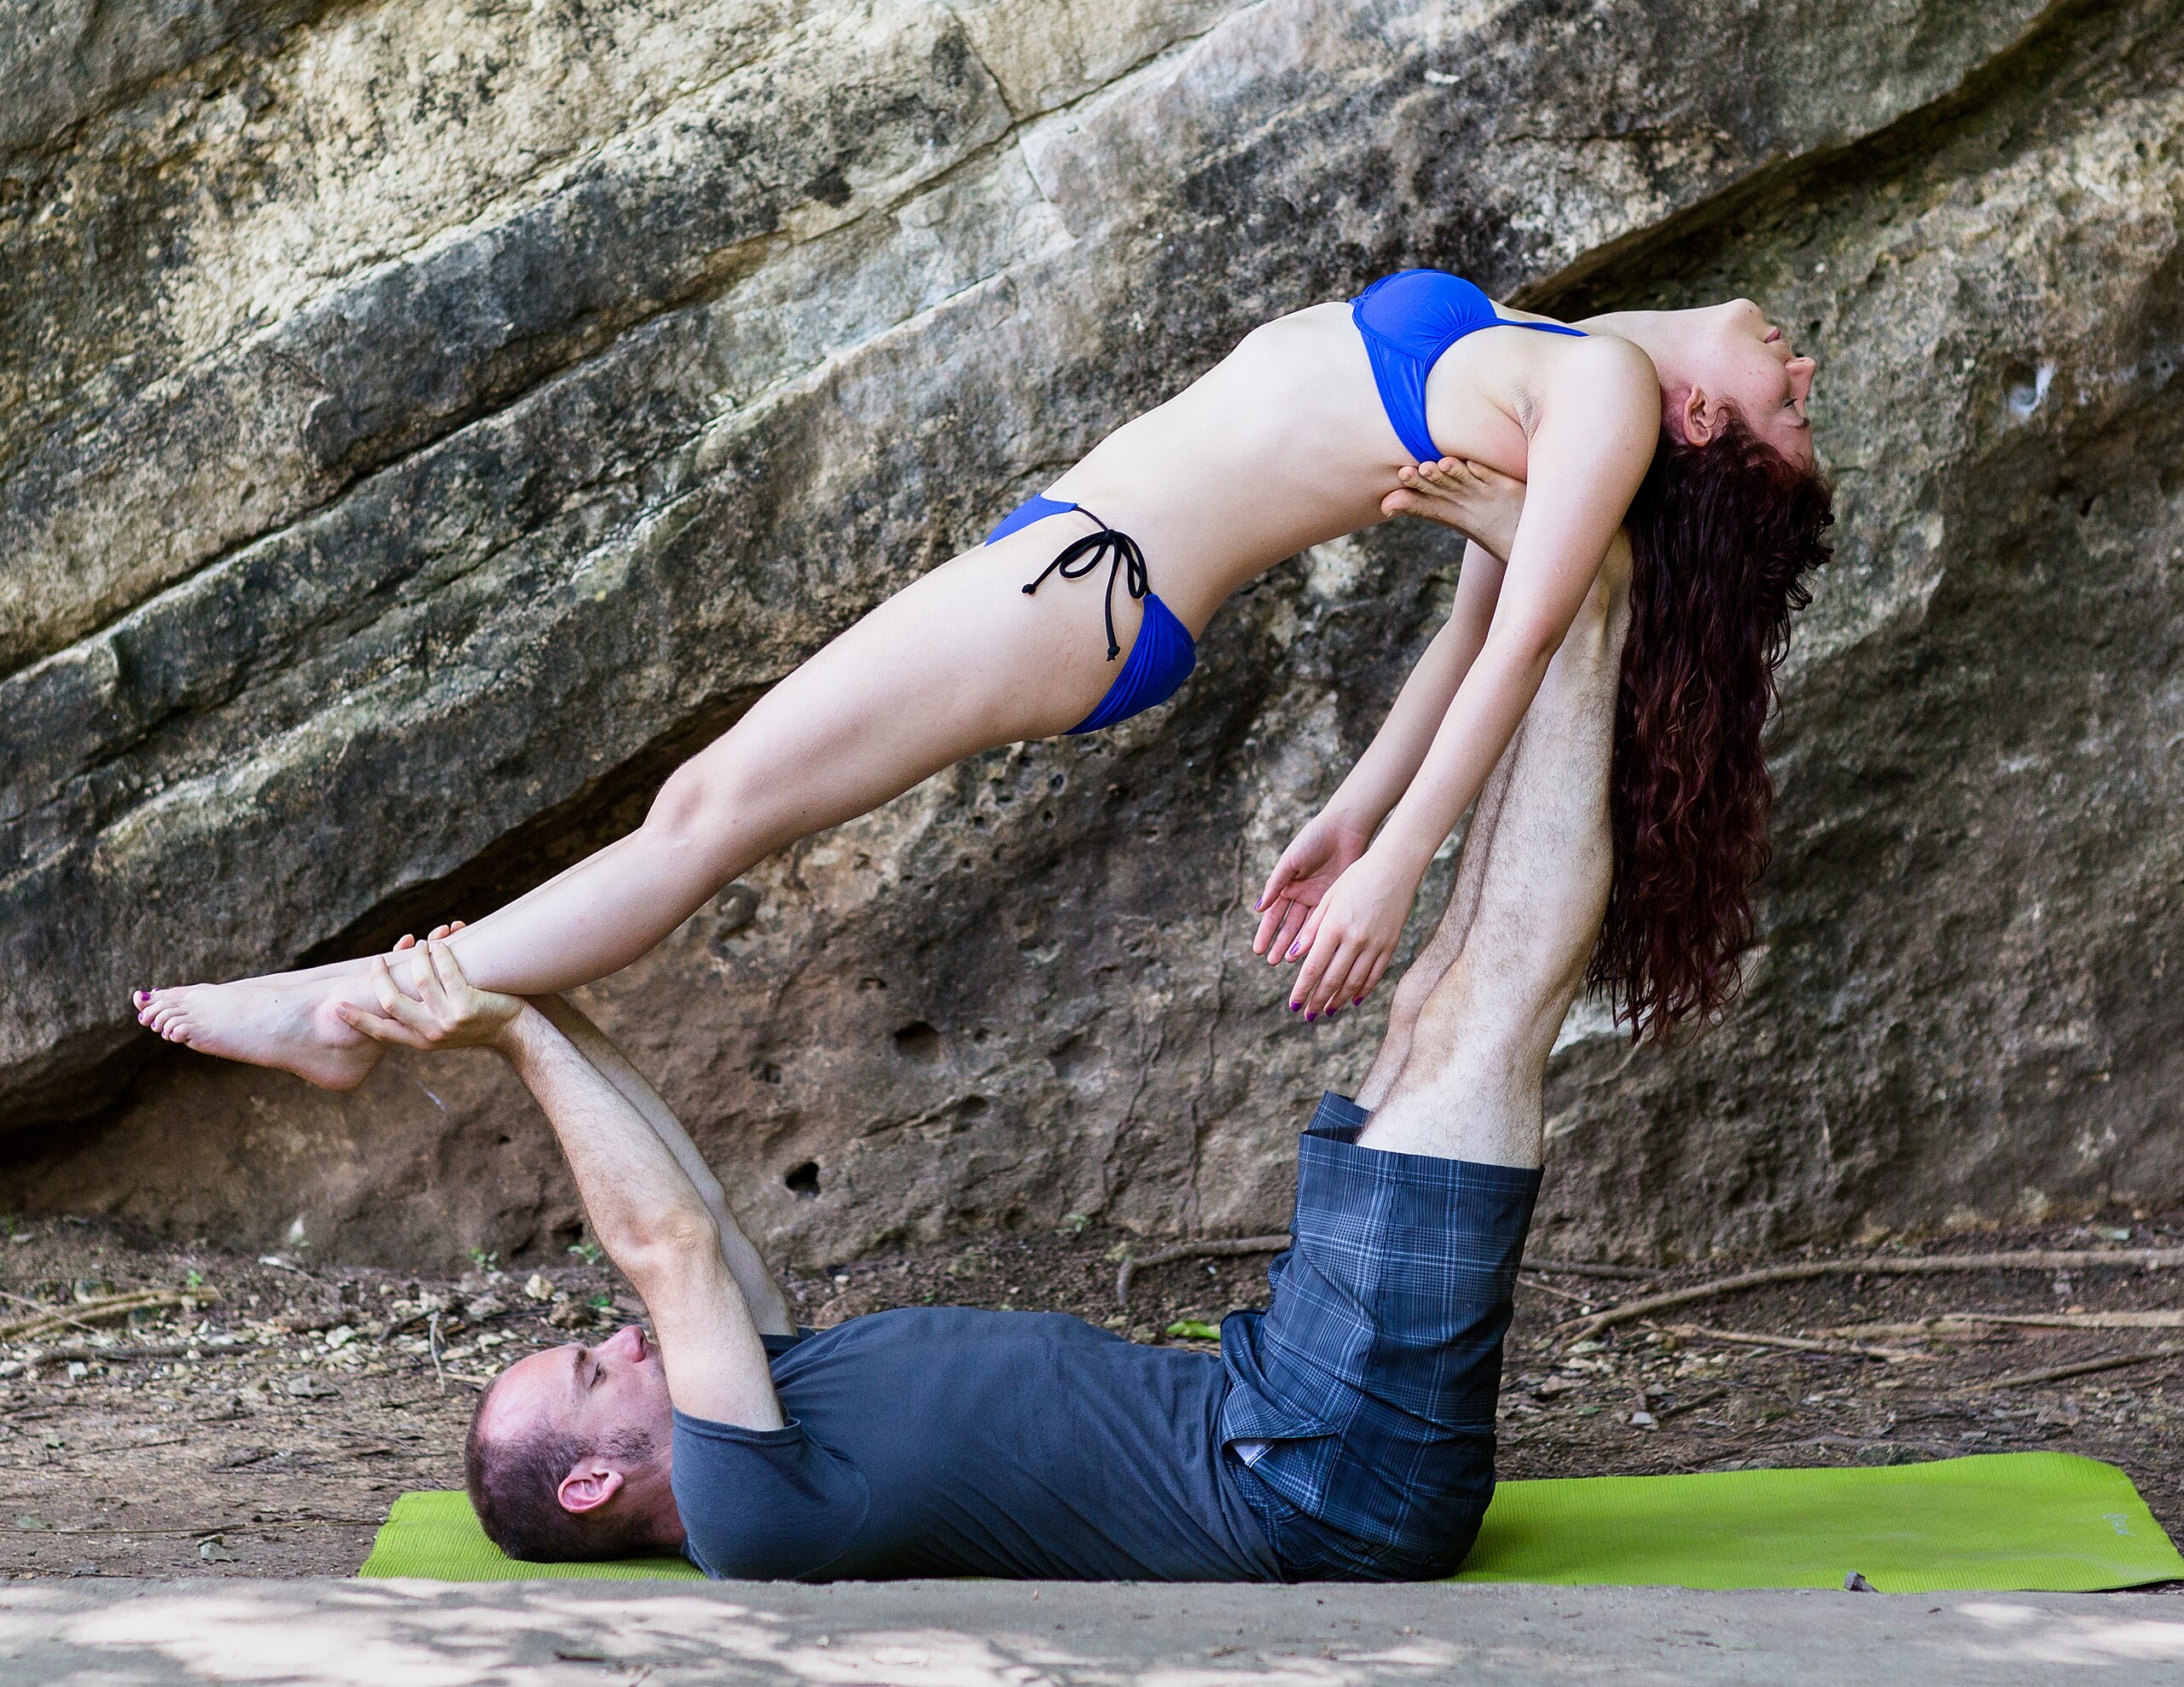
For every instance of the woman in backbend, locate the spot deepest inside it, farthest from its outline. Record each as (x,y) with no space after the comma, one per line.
(1685,427)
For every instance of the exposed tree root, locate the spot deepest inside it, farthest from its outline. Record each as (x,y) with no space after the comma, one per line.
(1883,1265)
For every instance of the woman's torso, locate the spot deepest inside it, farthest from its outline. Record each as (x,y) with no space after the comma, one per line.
(1286,444)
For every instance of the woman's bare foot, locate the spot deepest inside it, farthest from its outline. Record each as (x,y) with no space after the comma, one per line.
(288,1021)
(1481,503)
(287,1024)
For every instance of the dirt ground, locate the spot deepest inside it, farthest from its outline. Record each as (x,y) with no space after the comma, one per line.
(261,1422)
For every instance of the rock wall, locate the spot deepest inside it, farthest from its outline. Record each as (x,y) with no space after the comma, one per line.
(419,426)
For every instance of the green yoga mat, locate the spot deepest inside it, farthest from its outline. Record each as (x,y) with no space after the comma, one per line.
(2001,1522)
(436,1536)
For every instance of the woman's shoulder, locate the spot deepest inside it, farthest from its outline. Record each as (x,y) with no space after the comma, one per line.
(1605,369)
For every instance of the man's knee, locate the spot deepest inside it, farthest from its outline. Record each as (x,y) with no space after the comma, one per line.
(1504,1007)
(1412,992)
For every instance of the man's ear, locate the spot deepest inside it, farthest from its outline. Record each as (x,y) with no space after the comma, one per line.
(589,1486)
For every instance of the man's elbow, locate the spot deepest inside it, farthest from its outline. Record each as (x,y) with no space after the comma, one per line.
(664,1242)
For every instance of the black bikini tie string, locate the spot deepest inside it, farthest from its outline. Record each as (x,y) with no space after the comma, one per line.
(1122,555)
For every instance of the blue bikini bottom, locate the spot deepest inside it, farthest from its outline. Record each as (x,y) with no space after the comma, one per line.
(1164,653)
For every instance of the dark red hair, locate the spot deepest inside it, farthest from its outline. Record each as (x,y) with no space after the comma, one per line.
(1722,536)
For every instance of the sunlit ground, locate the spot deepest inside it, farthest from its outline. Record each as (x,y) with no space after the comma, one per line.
(984,1634)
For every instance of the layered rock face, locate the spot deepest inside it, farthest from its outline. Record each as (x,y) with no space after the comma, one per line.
(421,425)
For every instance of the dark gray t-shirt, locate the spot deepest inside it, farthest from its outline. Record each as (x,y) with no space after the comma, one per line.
(949,1442)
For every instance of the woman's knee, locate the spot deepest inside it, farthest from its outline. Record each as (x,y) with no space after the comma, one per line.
(706,803)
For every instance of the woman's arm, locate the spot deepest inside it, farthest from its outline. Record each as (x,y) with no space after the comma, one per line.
(1385,772)
(1487,507)
(1589,452)
(1338,835)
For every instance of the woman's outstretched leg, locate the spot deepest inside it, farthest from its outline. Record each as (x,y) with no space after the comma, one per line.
(959,661)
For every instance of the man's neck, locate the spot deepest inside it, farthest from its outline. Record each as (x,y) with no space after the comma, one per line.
(649,1491)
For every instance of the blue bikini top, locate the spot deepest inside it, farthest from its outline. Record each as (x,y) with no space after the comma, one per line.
(1409,320)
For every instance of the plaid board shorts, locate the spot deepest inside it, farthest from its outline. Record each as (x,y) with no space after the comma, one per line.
(1359,1424)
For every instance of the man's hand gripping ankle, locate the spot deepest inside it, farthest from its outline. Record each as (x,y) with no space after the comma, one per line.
(440,1008)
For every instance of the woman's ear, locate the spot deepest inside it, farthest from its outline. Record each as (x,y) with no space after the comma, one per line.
(589,1486)
(1699,418)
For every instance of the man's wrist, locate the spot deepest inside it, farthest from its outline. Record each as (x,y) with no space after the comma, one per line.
(523,1035)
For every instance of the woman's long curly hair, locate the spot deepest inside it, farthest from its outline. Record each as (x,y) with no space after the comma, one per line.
(1722,536)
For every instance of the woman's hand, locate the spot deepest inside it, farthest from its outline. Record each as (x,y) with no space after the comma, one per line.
(441,1009)
(1351,936)
(1307,870)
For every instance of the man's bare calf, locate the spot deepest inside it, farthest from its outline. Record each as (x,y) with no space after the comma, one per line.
(1474,1019)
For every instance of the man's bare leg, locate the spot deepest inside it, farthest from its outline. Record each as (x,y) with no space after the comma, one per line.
(1447,941)
(1461,1073)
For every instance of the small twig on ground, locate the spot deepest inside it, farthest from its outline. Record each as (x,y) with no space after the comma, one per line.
(123,1446)
(1583,1300)
(113,1305)
(1802,1344)
(1883,1265)
(181,1347)
(1662,1413)
(2057,1373)
(1585,1268)
(1230,1248)
(433,1341)
(220,1528)
(2159,1320)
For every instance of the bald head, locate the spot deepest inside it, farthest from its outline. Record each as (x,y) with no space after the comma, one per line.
(568,1454)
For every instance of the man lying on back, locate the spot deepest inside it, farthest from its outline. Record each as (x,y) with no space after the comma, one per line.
(1346,1432)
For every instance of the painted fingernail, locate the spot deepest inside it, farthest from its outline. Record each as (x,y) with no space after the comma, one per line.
(1296,1008)
(1309,1017)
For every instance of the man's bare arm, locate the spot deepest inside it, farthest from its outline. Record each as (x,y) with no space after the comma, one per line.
(643,1206)
(761,1290)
